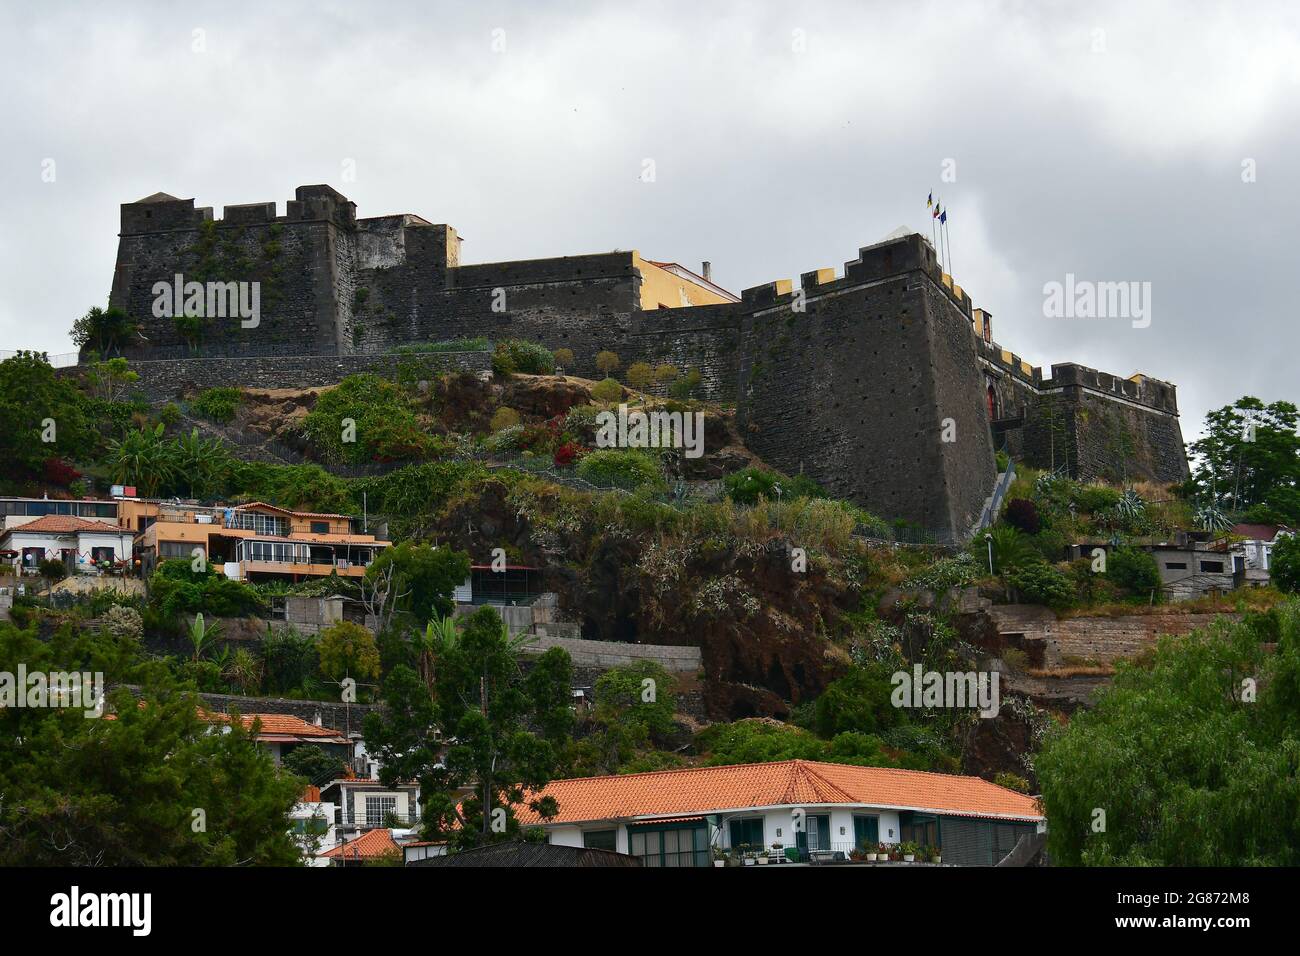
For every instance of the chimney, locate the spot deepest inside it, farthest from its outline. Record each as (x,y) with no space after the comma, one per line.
(707,271)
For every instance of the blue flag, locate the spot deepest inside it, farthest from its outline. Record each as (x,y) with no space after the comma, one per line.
(943,217)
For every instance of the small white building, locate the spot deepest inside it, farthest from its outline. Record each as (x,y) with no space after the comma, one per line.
(84,545)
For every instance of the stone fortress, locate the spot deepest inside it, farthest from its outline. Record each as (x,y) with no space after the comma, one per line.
(883,383)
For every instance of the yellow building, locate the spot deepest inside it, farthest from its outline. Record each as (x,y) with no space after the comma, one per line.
(252,540)
(669,285)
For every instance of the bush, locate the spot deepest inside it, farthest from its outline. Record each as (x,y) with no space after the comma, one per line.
(684,387)
(1022,514)
(504,418)
(479,344)
(1040,583)
(52,570)
(1012,782)
(1133,570)
(348,650)
(508,439)
(1090,499)
(217,404)
(564,358)
(665,374)
(747,486)
(386,427)
(620,468)
(607,391)
(527,357)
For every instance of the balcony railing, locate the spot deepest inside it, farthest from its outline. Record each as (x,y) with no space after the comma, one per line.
(368,819)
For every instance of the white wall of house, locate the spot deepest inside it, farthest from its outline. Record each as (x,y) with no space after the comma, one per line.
(55,544)
(778,826)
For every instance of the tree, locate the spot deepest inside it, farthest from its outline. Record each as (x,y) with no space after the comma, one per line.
(665,374)
(1250,456)
(313,764)
(1134,570)
(634,709)
(858,702)
(1284,564)
(42,416)
(347,649)
(109,380)
(104,331)
(563,358)
(501,732)
(640,375)
(1189,756)
(419,579)
(607,362)
(684,387)
(152,787)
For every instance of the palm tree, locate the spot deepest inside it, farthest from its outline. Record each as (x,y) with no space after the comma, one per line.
(199,462)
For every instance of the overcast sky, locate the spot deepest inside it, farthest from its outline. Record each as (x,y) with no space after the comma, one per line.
(1108,144)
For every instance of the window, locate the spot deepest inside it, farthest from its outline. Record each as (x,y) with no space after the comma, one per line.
(1175,565)
(378,809)
(666,845)
(1212,567)
(866,831)
(101,555)
(320,527)
(600,839)
(279,552)
(261,523)
(177,549)
(747,833)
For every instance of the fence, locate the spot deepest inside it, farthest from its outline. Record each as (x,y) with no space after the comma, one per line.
(58,360)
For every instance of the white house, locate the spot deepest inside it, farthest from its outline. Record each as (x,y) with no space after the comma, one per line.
(791,810)
(82,544)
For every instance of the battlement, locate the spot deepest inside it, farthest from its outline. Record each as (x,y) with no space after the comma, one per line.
(850,378)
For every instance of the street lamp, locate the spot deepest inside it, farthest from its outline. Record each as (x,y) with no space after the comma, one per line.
(989,539)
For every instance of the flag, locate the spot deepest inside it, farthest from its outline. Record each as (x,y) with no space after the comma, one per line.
(929,200)
(943,218)
(935,214)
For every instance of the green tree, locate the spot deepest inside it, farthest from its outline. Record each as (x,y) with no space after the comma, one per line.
(42,416)
(104,331)
(1284,564)
(1250,456)
(858,702)
(1134,570)
(313,764)
(1188,765)
(607,362)
(634,710)
(422,578)
(503,732)
(347,649)
(123,792)
(640,375)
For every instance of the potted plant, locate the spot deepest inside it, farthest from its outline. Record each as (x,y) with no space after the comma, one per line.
(882,852)
(935,854)
(720,858)
(909,852)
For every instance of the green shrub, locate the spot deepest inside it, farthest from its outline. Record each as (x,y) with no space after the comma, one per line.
(1285,564)
(1133,570)
(620,468)
(684,386)
(607,391)
(1090,499)
(747,486)
(527,357)
(479,344)
(504,418)
(217,404)
(386,429)
(1040,583)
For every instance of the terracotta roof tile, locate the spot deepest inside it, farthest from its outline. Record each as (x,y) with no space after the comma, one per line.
(65,524)
(369,846)
(276,725)
(789,782)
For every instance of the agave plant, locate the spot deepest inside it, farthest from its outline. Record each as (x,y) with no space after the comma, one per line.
(1210,518)
(1130,505)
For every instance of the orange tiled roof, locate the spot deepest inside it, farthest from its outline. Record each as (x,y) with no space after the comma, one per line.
(275,724)
(369,846)
(66,524)
(287,511)
(789,782)
(310,795)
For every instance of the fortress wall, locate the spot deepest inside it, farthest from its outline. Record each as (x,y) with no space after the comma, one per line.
(704,337)
(162,381)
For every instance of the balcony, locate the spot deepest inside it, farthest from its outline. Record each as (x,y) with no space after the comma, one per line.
(369,819)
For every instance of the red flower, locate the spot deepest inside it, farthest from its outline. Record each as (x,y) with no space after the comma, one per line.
(59,472)
(565,454)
